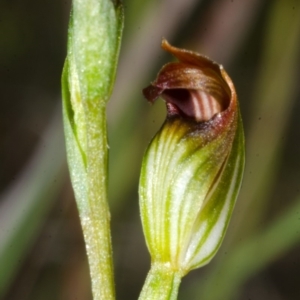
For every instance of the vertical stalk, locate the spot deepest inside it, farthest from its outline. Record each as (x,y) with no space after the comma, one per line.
(162,283)
(94,39)
(96,221)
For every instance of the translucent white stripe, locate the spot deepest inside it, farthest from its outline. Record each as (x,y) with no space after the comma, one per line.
(204,105)
(193,259)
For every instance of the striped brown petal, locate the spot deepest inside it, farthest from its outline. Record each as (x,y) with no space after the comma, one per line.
(194,87)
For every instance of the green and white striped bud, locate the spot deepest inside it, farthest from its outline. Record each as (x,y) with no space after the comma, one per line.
(192,169)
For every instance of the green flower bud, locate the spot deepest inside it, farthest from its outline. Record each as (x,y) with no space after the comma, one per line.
(192,170)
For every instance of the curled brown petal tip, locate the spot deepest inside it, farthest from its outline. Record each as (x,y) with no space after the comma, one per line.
(194,87)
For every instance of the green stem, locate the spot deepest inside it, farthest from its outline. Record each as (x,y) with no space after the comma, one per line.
(96,220)
(162,283)
(88,161)
(94,39)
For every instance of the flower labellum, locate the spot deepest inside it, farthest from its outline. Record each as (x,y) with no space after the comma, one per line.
(193,167)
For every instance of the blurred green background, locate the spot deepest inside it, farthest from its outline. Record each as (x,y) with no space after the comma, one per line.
(42,252)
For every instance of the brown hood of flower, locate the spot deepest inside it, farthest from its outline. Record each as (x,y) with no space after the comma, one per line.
(194,88)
